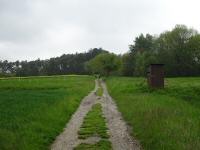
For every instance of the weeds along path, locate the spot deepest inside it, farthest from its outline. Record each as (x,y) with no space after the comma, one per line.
(117,128)
(119,135)
(68,139)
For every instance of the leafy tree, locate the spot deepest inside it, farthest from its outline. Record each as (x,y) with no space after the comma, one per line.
(178,49)
(174,52)
(143,53)
(142,44)
(128,64)
(104,64)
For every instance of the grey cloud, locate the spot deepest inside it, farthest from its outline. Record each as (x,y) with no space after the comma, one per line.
(45,28)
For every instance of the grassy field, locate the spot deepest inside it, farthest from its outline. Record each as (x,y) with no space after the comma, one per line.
(167,119)
(33,111)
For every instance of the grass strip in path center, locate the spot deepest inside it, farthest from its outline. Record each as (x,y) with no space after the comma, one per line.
(100,90)
(94,125)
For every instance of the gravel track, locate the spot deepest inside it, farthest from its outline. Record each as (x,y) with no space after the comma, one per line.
(68,139)
(118,129)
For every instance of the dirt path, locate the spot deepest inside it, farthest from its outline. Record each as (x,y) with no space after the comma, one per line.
(68,139)
(119,135)
(118,130)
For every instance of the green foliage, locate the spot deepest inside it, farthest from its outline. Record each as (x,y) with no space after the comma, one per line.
(65,64)
(104,64)
(128,64)
(33,111)
(142,43)
(178,49)
(161,119)
(176,54)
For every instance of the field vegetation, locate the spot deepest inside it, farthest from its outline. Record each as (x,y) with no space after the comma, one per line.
(161,119)
(94,125)
(33,111)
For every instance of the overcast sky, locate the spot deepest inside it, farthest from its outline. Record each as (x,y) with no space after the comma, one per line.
(31,29)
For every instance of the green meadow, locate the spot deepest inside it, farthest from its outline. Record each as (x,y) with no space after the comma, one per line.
(167,119)
(33,111)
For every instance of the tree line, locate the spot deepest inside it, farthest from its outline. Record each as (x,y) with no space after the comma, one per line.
(65,64)
(178,50)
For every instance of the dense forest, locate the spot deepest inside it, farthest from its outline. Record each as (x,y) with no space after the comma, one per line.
(178,50)
(65,64)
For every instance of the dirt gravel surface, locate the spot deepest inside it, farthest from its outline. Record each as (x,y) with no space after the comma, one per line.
(68,139)
(118,129)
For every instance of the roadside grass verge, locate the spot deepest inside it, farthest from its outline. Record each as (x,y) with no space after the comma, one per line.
(161,119)
(94,125)
(33,111)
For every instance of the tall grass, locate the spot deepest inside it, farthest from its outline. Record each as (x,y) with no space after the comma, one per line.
(166,119)
(33,111)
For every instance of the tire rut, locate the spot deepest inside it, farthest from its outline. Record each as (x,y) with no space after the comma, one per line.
(68,139)
(118,129)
